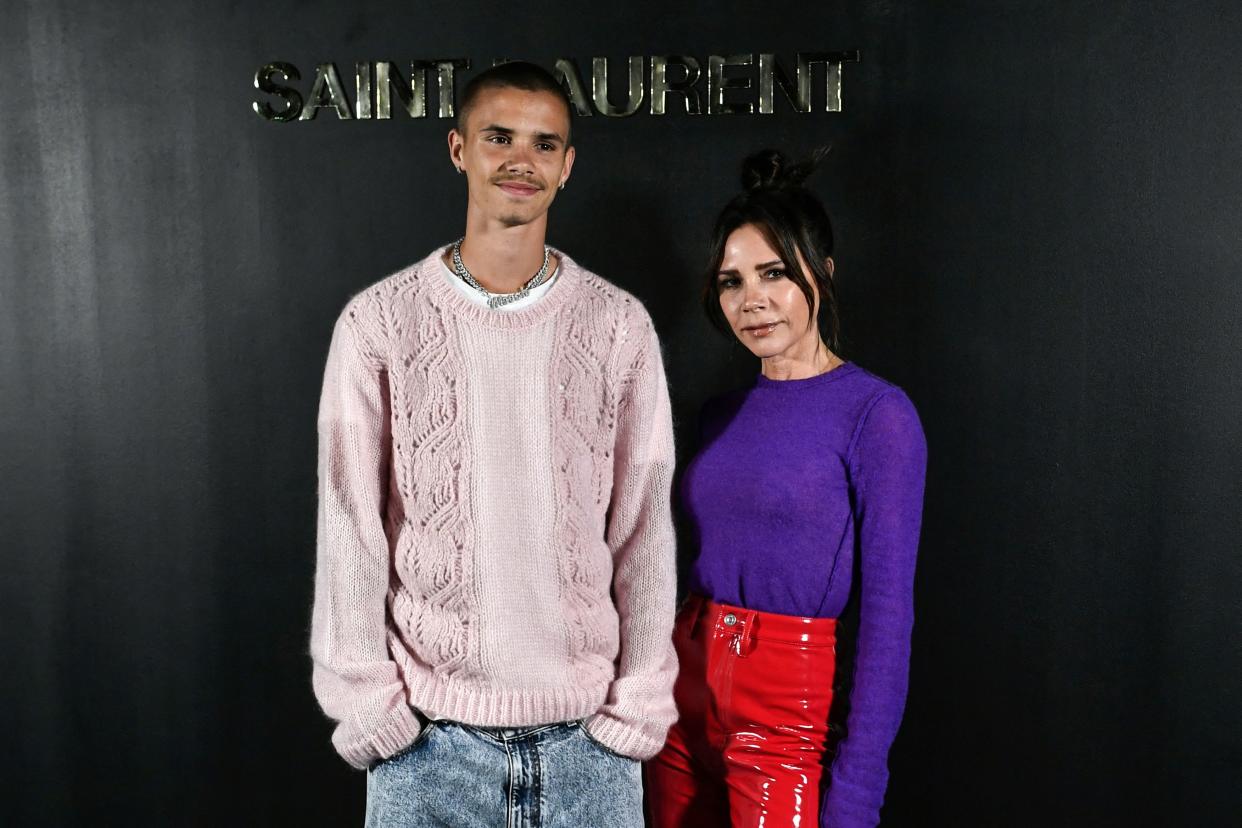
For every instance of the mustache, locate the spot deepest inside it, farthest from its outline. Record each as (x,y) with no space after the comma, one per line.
(501,178)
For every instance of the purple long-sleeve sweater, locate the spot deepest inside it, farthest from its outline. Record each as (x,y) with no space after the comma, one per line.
(791,479)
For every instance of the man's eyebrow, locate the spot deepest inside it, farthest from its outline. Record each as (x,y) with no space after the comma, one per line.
(539,136)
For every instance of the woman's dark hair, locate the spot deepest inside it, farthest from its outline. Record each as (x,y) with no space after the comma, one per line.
(792,220)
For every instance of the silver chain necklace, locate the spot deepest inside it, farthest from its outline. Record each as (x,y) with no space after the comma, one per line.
(497,300)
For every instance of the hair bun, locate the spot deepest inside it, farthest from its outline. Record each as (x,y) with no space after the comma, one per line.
(771,169)
(763,169)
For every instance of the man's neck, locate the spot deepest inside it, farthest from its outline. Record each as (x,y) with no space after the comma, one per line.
(503,259)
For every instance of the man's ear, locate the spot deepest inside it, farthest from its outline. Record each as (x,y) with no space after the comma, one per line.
(455,143)
(570,155)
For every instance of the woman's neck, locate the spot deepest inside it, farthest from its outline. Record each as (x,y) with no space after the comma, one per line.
(800,363)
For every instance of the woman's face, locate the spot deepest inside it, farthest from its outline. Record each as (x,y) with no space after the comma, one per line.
(765,309)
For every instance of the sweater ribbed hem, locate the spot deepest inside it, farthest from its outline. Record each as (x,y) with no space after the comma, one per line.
(622,738)
(393,736)
(502,707)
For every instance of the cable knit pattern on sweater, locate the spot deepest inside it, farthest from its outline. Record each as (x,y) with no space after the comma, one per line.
(495,545)
(583,464)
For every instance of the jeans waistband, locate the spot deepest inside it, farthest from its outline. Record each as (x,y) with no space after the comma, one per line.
(515,734)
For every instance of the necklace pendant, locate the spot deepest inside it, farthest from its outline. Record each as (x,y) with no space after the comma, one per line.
(499,300)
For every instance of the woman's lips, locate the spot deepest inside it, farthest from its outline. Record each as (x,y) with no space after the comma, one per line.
(760,331)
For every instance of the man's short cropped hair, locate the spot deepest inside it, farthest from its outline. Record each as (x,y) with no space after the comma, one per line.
(517,74)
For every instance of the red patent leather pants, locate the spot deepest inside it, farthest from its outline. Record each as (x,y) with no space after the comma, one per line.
(753,694)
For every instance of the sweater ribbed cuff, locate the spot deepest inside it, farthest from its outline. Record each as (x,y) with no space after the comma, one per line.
(395,734)
(619,737)
(851,806)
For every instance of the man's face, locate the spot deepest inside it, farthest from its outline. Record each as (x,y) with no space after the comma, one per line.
(514,153)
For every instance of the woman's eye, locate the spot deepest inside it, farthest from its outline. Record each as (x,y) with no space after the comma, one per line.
(725,284)
(775,273)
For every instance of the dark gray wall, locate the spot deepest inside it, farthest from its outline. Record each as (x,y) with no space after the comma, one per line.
(1037,208)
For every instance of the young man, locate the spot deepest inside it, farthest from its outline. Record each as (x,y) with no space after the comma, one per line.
(495,581)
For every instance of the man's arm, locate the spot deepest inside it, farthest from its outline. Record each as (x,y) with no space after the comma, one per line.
(355,680)
(639,710)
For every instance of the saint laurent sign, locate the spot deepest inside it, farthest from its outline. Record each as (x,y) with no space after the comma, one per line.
(731,85)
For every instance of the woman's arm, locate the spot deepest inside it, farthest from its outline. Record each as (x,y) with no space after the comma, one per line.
(887,464)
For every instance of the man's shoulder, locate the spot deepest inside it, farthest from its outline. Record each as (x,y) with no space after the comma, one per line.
(604,298)
(390,294)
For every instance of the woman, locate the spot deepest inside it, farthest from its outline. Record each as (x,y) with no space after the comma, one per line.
(806,482)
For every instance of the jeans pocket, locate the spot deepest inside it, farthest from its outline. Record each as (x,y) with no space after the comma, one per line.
(600,746)
(424,733)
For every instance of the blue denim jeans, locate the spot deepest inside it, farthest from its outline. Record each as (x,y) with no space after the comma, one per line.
(551,776)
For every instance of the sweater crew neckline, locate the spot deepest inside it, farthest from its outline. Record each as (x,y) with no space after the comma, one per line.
(844,369)
(567,280)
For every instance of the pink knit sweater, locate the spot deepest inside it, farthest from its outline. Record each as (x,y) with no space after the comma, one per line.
(494,539)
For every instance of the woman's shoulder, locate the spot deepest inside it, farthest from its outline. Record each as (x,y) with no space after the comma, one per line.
(872,389)
(884,411)
(852,393)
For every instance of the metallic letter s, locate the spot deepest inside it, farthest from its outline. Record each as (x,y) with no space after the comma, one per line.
(263,82)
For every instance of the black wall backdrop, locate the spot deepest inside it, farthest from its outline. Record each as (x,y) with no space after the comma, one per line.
(1037,207)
